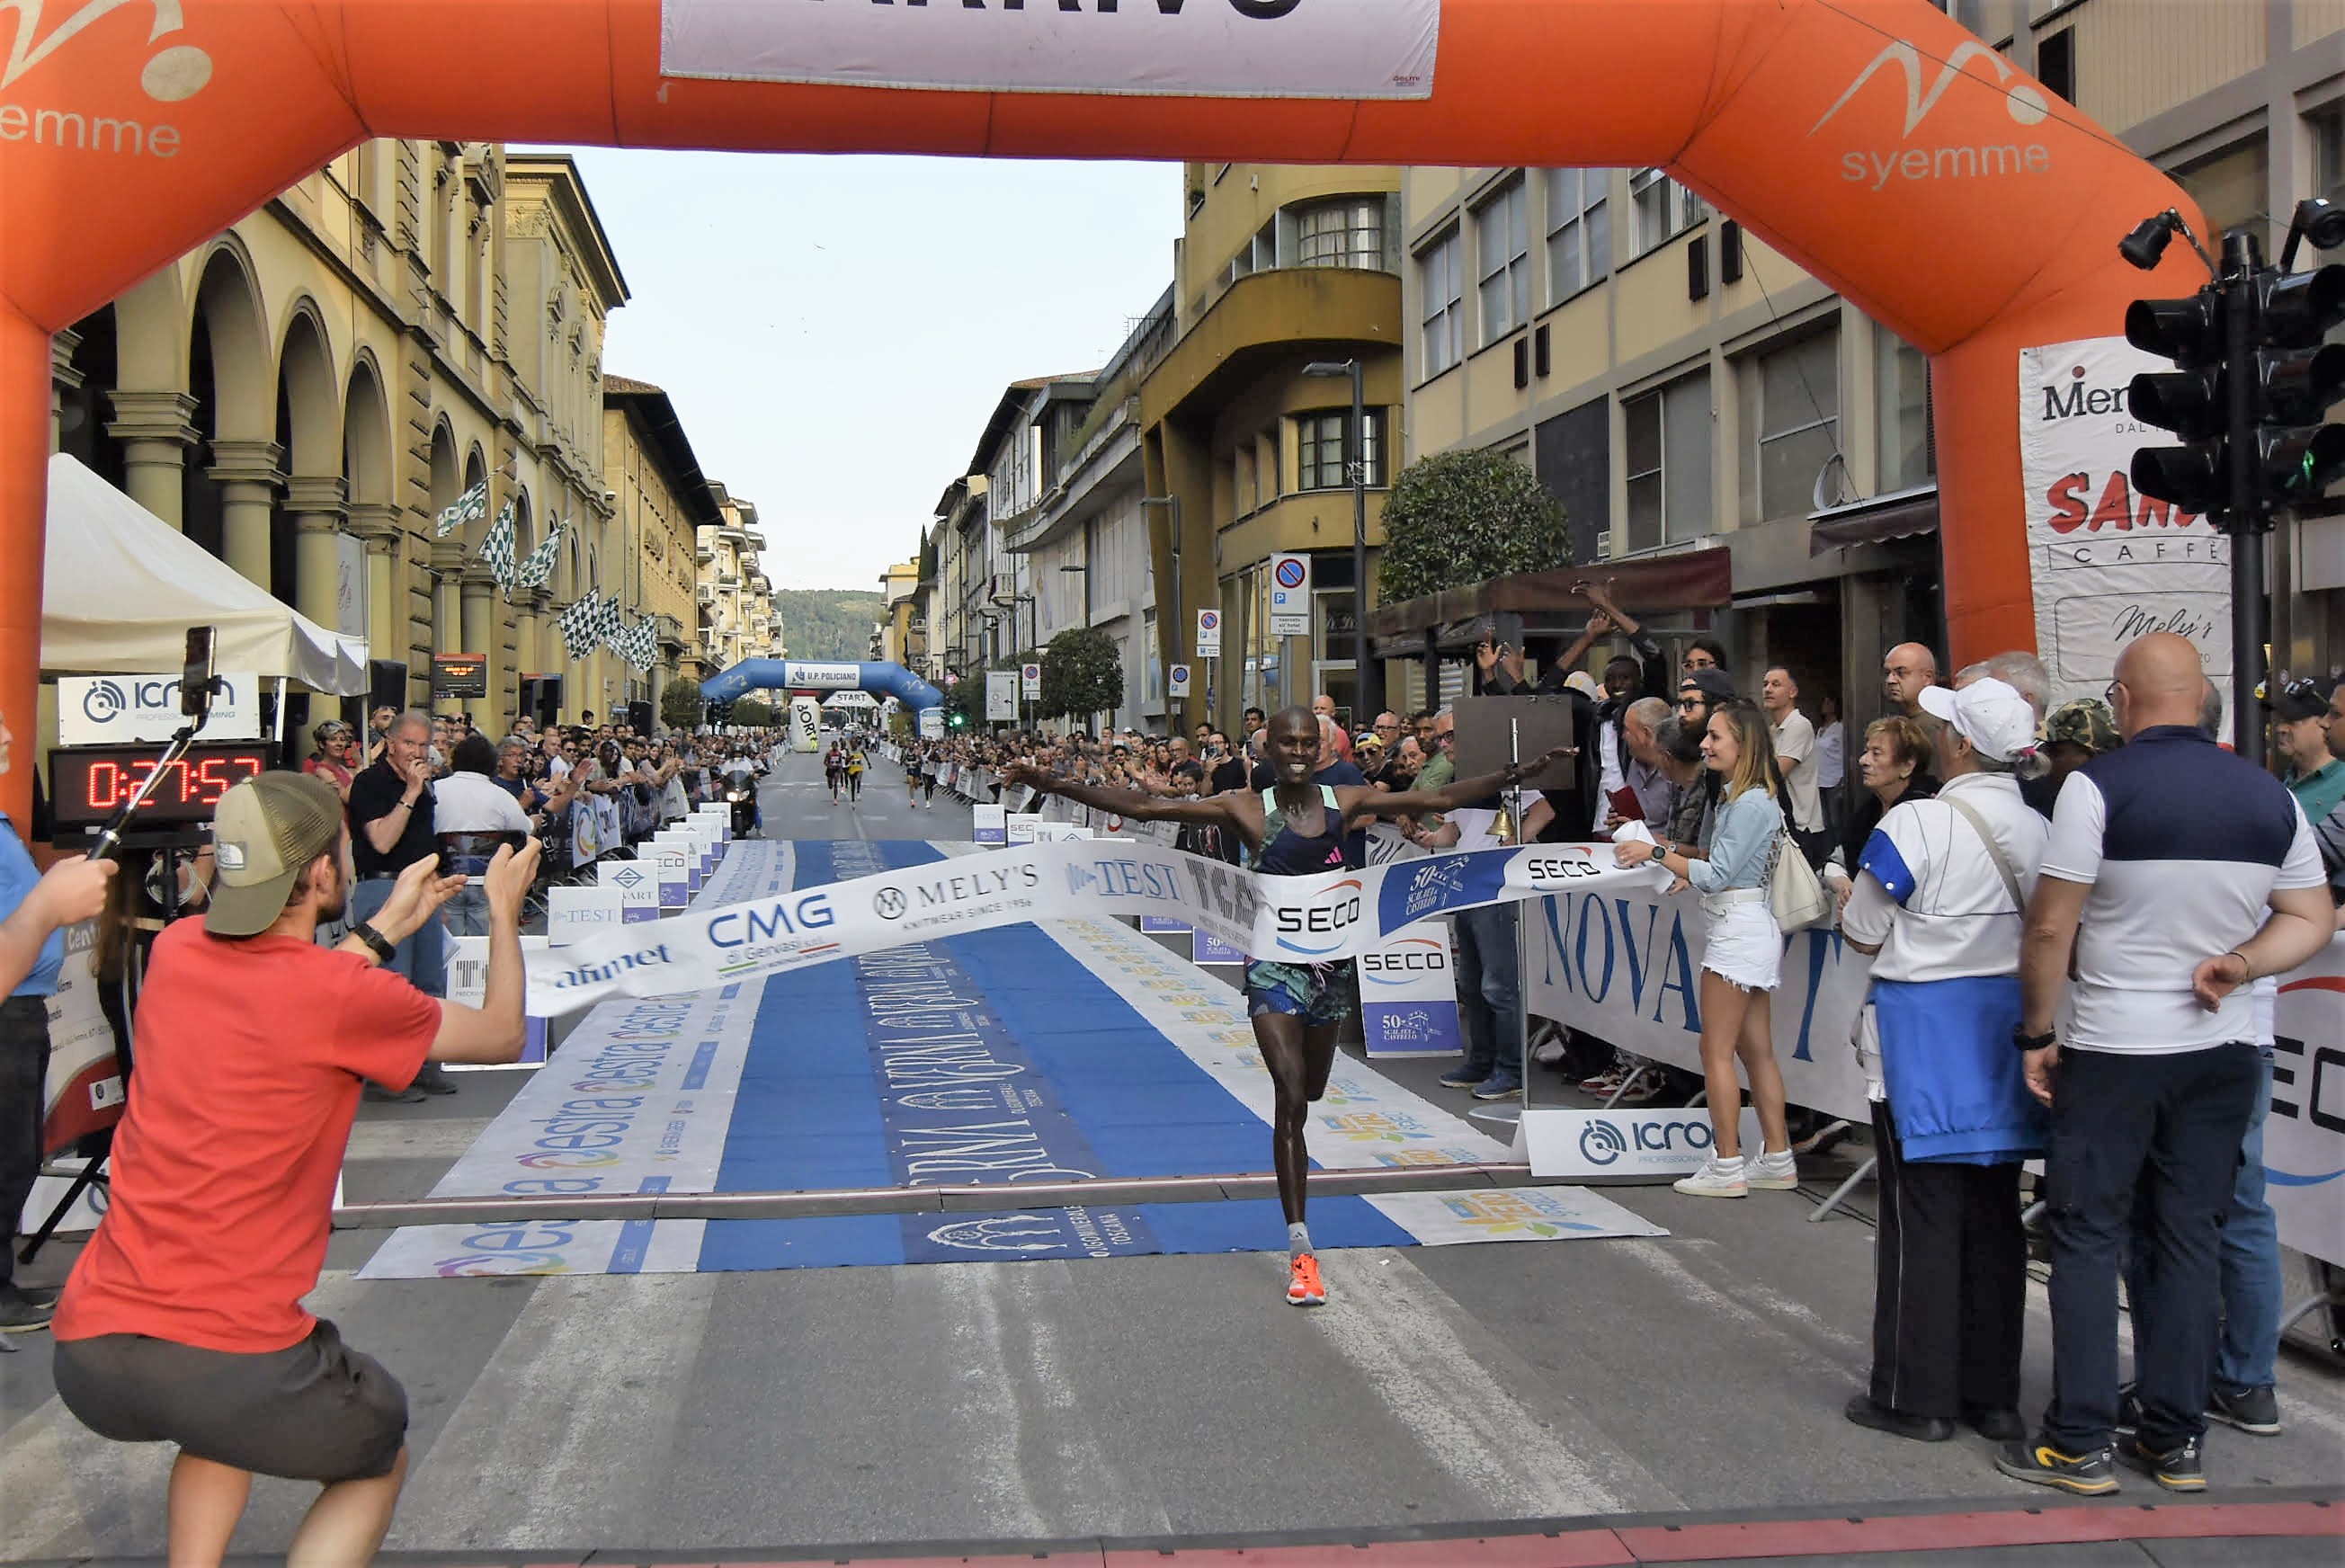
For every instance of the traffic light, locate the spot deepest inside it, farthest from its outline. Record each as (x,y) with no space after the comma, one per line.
(2287,455)
(2189,401)
(2298,377)
(956,720)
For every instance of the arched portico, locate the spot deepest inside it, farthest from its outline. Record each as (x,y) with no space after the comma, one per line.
(1873,145)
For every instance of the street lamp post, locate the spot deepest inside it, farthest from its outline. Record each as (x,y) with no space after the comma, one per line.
(1356,469)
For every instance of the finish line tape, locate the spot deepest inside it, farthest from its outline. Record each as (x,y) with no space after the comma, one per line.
(1319,919)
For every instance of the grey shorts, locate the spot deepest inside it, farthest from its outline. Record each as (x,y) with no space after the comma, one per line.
(317,1411)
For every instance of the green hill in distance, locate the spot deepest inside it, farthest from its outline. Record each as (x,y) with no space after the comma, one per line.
(828,624)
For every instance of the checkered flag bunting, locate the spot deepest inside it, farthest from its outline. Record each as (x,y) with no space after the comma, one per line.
(538,570)
(611,626)
(582,624)
(471,507)
(643,651)
(497,551)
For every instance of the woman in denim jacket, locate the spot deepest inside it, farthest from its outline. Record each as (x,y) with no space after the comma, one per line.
(1742,961)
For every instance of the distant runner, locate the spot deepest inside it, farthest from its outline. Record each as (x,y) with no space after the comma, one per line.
(1294,829)
(854,772)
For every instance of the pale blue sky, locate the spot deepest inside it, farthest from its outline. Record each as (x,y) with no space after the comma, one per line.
(835,332)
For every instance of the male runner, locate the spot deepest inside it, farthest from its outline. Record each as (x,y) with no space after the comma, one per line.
(854,771)
(911,776)
(1294,828)
(834,769)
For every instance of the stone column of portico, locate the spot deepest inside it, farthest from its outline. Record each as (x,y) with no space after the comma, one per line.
(478,590)
(63,379)
(319,503)
(248,477)
(377,522)
(155,430)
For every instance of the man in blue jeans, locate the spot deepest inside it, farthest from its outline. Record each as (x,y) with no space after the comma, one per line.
(2243,1391)
(2169,911)
(390,830)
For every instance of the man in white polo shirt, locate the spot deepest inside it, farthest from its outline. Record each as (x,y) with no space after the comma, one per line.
(2175,874)
(1795,751)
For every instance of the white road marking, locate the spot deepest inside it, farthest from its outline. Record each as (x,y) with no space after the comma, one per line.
(550,1441)
(1409,1341)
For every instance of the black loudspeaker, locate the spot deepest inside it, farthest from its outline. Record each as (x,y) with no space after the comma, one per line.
(639,716)
(387,684)
(549,701)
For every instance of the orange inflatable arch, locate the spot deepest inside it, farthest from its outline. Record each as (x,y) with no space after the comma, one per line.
(1874,142)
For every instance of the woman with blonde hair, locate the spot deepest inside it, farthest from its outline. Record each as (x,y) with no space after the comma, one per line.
(1742,960)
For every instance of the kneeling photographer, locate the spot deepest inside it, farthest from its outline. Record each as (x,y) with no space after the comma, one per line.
(182,1321)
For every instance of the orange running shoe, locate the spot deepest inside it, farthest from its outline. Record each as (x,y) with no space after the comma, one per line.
(1303,1288)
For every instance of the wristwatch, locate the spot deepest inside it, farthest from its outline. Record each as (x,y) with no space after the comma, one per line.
(1661,853)
(377,942)
(2023,1040)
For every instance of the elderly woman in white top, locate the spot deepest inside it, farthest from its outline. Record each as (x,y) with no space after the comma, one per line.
(1941,888)
(1742,960)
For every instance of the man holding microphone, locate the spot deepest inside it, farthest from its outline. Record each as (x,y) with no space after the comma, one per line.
(182,1321)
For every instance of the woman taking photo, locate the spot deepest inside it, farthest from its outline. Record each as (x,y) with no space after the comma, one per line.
(1742,959)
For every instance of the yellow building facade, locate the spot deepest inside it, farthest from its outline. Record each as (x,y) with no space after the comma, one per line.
(305,395)
(1278,269)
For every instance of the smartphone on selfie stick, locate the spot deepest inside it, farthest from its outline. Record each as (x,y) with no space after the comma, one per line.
(197,686)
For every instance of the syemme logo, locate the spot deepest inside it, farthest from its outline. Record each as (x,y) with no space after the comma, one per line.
(2023,101)
(172,75)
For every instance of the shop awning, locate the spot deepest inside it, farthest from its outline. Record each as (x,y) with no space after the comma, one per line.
(1651,584)
(1901,514)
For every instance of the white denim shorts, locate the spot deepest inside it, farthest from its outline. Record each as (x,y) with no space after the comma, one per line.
(1745,945)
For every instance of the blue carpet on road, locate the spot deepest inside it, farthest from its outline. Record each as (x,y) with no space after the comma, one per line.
(981,1059)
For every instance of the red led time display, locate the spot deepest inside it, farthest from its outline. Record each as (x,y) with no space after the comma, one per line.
(90,784)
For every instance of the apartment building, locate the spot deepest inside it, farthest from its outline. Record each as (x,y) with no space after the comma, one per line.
(1677,383)
(648,548)
(734,597)
(1280,271)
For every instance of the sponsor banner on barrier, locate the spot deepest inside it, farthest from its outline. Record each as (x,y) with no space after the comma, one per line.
(593,828)
(1319,918)
(468,982)
(2109,562)
(2304,1137)
(1209,48)
(1022,824)
(1158,926)
(669,861)
(993,825)
(637,884)
(574,913)
(1643,1145)
(84,1087)
(1204,948)
(1624,965)
(1408,995)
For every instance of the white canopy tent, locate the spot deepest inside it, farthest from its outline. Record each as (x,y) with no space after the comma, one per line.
(123,586)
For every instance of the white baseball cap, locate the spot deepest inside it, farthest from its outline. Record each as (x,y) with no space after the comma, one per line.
(1989,713)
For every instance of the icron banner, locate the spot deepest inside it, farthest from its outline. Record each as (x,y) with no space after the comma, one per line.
(2109,562)
(1208,48)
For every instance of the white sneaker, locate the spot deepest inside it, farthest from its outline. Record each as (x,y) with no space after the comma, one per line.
(1777,1172)
(1717,1179)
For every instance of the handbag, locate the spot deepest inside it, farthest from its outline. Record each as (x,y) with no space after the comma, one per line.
(1793,893)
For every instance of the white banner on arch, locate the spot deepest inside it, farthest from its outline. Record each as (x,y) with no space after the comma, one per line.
(1191,48)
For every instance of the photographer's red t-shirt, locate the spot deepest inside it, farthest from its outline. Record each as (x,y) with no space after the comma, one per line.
(250,1058)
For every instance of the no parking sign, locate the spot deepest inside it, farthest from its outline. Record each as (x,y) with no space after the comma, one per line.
(1179,680)
(1209,633)
(1290,596)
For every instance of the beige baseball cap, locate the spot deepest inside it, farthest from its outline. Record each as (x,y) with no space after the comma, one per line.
(265,832)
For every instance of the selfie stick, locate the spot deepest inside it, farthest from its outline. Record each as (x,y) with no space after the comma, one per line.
(194,706)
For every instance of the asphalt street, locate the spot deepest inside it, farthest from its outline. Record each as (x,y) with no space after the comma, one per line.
(1158,1396)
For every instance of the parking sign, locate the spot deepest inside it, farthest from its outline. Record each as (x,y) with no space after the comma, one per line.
(1290,596)
(1180,680)
(1209,633)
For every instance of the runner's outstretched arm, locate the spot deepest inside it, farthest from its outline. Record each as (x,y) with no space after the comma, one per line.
(1364,803)
(1123,802)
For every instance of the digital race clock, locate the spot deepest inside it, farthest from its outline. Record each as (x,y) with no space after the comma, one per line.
(88,784)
